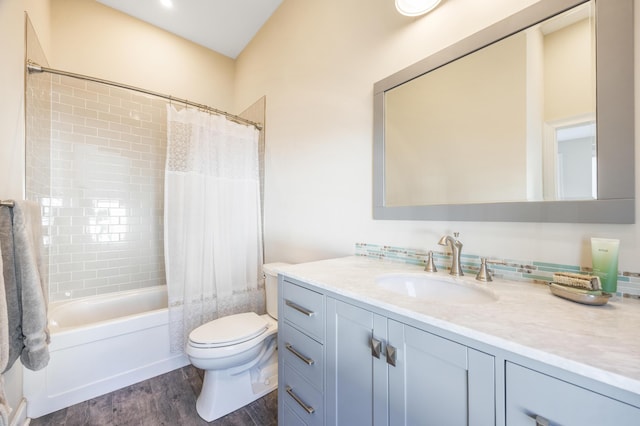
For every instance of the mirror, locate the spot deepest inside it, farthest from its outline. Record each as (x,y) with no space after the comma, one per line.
(523,121)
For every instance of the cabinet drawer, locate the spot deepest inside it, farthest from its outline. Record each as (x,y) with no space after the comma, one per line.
(304,354)
(530,394)
(290,418)
(303,399)
(305,309)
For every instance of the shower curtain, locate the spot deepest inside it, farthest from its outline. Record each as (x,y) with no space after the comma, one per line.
(212,222)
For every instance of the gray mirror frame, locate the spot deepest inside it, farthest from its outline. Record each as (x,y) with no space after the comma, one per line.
(615,125)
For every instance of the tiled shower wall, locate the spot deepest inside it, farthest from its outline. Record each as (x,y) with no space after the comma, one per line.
(108,149)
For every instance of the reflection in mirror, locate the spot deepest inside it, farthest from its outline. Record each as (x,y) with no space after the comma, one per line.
(574,163)
(523,121)
(474,131)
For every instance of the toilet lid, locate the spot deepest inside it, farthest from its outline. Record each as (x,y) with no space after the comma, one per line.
(230,329)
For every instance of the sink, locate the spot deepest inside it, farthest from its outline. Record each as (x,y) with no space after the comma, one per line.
(439,289)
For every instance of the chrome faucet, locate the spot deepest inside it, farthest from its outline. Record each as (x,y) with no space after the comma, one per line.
(456,249)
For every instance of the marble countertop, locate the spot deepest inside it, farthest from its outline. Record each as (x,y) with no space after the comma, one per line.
(600,342)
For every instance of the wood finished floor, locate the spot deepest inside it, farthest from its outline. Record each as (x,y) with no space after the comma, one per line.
(169,399)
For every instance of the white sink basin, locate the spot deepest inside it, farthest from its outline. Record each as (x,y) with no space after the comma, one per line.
(439,289)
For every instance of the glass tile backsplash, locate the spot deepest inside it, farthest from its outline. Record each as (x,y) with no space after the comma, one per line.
(516,270)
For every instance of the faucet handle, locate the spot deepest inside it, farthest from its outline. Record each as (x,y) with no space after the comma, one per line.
(430,266)
(483,273)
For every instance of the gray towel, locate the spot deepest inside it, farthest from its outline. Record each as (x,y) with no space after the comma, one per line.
(27,240)
(14,311)
(25,288)
(4,349)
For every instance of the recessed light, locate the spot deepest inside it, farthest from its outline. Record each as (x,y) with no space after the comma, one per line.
(415,7)
(167,3)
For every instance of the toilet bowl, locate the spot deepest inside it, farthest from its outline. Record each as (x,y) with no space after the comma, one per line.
(238,354)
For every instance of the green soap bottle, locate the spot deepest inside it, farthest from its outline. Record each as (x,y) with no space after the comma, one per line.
(604,261)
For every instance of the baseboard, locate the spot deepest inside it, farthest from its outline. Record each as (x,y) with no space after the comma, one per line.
(19,417)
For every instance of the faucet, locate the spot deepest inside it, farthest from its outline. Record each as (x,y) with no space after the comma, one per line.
(456,249)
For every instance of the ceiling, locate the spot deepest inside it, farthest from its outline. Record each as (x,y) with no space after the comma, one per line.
(225,26)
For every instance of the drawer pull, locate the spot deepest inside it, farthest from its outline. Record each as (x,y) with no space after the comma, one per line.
(304,359)
(300,402)
(376,347)
(391,355)
(541,421)
(299,308)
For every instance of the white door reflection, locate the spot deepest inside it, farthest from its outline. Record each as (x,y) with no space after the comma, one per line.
(576,166)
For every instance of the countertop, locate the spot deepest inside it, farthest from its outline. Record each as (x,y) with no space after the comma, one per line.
(600,342)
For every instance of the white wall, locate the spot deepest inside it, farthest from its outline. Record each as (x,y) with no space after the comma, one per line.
(317,63)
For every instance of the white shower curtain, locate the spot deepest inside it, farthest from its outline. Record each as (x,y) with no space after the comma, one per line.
(212,223)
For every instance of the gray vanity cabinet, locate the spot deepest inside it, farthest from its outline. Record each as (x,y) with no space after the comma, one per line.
(383,372)
(344,362)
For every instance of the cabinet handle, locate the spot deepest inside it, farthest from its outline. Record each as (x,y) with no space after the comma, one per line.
(300,402)
(391,355)
(541,421)
(376,347)
(299,308)
(293,350)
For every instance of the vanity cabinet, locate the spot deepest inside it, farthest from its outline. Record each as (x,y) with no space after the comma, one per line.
(343,361)
(383,372)
(534,398)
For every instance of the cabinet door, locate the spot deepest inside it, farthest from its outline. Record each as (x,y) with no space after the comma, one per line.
(532,395)
(353,396)
(418,379)
(428,385)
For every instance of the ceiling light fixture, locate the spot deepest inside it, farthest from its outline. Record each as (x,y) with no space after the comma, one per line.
(416,7)
(167,3)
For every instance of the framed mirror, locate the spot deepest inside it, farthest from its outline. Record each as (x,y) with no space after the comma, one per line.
(529,120)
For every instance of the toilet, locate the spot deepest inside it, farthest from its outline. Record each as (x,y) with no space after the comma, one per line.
(238,354)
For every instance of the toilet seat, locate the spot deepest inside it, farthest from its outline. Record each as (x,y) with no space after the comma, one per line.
(228,331)
(214,352)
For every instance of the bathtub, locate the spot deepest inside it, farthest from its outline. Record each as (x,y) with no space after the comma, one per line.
(100,344)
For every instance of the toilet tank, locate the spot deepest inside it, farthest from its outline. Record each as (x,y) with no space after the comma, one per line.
(270,271)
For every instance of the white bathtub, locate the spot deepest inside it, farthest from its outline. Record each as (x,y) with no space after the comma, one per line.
(100,344)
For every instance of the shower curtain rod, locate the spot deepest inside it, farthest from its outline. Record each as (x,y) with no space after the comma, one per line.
(7,203)
(33,67)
